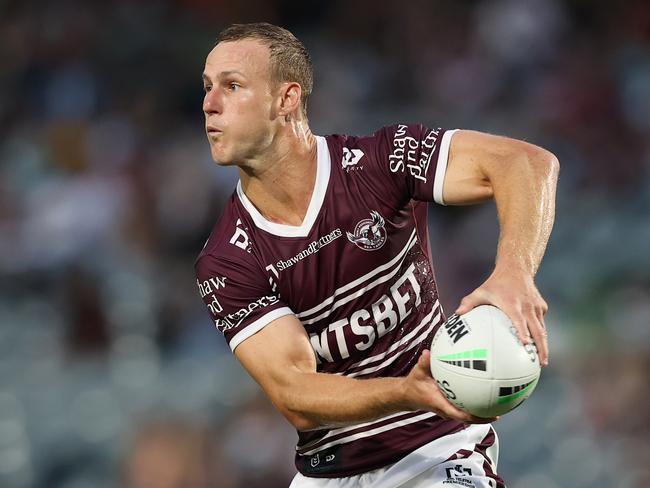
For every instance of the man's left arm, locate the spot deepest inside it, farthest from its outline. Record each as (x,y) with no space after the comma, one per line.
(521,178)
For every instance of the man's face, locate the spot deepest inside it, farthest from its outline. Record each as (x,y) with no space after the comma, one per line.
(238,102)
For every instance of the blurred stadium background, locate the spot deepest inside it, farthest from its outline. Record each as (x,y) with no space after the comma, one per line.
(110,371)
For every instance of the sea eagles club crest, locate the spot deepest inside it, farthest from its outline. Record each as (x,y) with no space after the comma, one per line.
(369,234)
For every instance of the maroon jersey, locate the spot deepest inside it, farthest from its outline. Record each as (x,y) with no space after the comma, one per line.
(357,274)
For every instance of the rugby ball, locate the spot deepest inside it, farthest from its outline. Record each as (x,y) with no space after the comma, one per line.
(480,365)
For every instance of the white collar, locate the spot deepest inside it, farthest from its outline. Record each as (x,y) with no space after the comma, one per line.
(323,170)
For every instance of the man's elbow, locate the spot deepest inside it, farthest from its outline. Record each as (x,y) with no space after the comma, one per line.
(300,422)
(294,412)
(552,164)
(545,161)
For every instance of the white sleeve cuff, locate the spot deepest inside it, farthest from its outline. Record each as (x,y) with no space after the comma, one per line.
(254,327)
(441,166)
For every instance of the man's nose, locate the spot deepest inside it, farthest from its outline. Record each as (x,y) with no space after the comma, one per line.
(212,102)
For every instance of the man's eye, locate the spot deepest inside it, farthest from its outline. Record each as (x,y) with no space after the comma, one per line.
(233,86)
(207,88)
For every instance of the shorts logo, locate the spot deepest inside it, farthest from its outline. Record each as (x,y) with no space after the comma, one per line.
(457,475)
(350,158)
(315,460)
(369,234)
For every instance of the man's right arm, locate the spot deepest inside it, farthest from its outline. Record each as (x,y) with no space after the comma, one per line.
(281,360)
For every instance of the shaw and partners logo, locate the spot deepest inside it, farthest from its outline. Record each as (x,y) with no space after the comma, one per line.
(369,234)
(209,288)
(412,153)
(312,248)
(232,320)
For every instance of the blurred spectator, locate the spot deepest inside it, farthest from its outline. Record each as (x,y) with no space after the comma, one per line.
(176,454)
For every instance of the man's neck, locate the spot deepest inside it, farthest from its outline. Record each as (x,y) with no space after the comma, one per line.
(282,182)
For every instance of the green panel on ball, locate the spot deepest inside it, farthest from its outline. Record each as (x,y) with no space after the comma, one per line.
(473,354)
(518,394)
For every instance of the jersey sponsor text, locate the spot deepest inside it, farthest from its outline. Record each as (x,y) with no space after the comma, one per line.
(366,325)
(232,320)
(313,247)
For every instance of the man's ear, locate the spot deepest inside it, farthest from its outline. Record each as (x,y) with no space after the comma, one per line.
(290,94)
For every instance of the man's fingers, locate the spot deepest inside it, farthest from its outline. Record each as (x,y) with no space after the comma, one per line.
(482,420)
(453,412)
(464,306)
(425,357)
(540,336)
(544,307)
(519,322)
(525,308)
(469,302)
(448,410)
(424,362)
(535,330)
(530,327)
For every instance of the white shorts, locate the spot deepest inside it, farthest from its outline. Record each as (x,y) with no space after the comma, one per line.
(465,459)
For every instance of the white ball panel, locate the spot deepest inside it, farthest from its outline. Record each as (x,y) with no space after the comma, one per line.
(483,338)
(468,395)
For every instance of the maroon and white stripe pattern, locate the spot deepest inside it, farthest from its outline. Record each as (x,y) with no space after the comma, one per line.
(411,340)
(352,433)
(352,290)
(384,442)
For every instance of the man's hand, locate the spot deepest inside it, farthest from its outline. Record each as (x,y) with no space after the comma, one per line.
(514,292)
(422,393)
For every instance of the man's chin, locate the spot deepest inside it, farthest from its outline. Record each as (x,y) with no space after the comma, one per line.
(222,159)
(224,163)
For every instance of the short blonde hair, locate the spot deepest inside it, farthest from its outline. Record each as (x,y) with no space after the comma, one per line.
(290,60)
